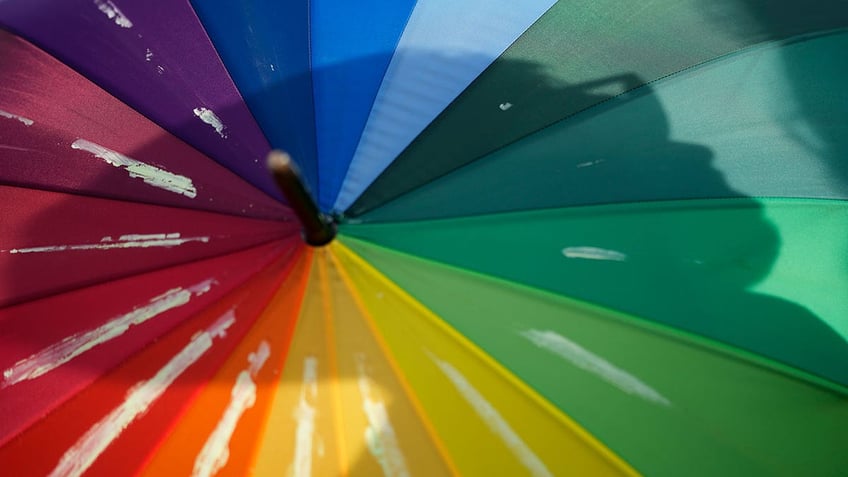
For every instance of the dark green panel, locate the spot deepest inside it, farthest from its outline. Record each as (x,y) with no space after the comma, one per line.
(662,401)
(733,127)
(766,277)
(582,53)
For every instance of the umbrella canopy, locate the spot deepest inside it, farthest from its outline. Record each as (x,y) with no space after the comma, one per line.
(574,238)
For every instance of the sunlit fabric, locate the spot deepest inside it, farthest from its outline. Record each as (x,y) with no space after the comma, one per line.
(556,238)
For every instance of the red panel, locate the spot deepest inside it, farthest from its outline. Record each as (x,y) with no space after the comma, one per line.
(106,239)
(47,347)
(253,368)
(48,108)
(275,326)
(39,449)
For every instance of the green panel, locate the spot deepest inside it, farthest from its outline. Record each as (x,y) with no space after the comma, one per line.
(693,265)
(662,401)
(579,54)
(734,127)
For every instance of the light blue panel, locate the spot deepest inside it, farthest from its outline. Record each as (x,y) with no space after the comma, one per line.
(265,46)
(352,44)
(445,46)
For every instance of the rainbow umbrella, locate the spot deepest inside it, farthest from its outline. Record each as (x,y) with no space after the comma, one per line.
(574,237)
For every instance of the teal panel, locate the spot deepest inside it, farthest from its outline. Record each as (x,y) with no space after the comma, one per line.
(582,53)
(661,400)
(692,265)
(733,127)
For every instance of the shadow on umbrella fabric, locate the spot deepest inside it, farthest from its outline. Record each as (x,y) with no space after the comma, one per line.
(190,259)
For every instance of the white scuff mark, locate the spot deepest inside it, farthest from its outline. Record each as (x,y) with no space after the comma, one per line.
(305,414)
(505,106)
(493,419)
(151,175)
(144,394)
(592,363)
(379,435)
(112,11)
(160,69)
(590,163)
(148,55)
(72,346)
(25,121)
(125,241)
(216,451)
(209,117)
(594,253)
(273,68)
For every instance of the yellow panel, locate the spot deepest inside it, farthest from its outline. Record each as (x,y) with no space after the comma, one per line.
(303,405)
(490,421)
(340,408)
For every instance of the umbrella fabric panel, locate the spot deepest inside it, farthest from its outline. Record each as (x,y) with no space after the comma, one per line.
(445,45)
(662,399)
(351,46)
(691,265)
(112,426)
(341,407)
(53,348)
(265,47)
(218,434)
(88,142)
(578,55)
(737,126)
(156,57)
(477,407)
(54,242)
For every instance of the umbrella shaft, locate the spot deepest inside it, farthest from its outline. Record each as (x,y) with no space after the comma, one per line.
(318,228)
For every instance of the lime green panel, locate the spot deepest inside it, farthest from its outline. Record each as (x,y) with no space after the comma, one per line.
(582,53)
(667,404)
(692,265)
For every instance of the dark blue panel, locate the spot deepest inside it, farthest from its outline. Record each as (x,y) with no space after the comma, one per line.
(265,47)
(352,43)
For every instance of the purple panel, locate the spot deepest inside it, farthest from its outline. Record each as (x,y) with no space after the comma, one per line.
(89,143)
(155,56)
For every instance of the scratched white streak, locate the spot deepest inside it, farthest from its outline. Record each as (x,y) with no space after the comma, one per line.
(125,241)
(216,452)
(592,363)
(380,435)
(93,443)
(112,11)
(209,117)
(594,253)
(493,419)
(72,346)
(305,414)
(151,175)
(25,121)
